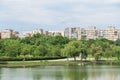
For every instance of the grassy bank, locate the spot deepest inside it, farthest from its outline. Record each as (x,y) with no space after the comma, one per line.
(39,63)
(54,63)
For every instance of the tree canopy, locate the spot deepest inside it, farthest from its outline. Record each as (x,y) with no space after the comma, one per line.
(45,45)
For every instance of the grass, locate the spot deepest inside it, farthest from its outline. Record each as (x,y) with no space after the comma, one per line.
(54,63)
(39,63)
(32,63)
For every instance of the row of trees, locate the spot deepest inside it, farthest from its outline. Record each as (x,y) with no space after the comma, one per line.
(99,48)
(51,46)
(36,46)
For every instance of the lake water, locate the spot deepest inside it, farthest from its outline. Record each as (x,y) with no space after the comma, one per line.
(88,72)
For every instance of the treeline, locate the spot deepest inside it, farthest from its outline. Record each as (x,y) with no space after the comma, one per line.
(36,47)
(50,47)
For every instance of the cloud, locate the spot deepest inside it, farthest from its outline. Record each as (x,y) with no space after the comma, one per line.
(59,12)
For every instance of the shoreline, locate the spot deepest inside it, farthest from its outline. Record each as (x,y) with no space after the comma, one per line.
(55,63)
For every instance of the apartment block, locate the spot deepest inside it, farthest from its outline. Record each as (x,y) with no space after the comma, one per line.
(101,33)
(118,33)
(45,32)
(91,33)
(111,33)
(25,34)
(40,31)
(73,32)
(56,33)
(37,31)
(8,33)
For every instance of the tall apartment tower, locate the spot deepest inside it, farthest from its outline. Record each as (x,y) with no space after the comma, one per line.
(91,33)
(73,33)
(111,33)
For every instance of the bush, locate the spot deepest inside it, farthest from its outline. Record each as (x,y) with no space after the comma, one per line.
(28,58)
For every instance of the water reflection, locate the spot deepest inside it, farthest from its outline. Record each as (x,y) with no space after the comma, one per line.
(89,72)
(76,73)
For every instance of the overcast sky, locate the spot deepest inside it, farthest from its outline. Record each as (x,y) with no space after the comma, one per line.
(26,15)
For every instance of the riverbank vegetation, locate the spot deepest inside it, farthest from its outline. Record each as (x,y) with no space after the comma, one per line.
(42,47)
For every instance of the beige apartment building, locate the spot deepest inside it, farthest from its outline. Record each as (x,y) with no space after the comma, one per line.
(111,33)
(8,33)
(56,33)
(91,33)
(40,31)
(37,31)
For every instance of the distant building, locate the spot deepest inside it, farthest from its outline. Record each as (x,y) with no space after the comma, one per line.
(101,33)
(15,34)
(0,35)
(83,34)
(25,34)
(40,31)
(91,33)
(118,33)
(8,33)
(111,33)
(45,32)
(73,32)
(56,33)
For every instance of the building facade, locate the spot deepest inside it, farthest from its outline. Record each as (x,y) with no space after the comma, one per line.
(111,33)
(40,31)
(91,33)
(8,33)
(73,33)
(56,33)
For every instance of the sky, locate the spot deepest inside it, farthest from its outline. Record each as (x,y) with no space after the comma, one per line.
(27,15)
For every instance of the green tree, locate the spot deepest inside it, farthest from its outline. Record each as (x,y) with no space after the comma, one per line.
(83,46)
(117,51)
(25,50)
(12,48)
(71,49)
(41,51)
(117,42)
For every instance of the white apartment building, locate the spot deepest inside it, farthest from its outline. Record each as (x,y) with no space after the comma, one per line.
(73,32)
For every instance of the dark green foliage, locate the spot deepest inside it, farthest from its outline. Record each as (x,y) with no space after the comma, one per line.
(117,42)
(29,58)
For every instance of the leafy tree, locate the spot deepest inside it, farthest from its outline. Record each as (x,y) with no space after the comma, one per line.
(71,49)
(25,50)
(117,42)
(40,51)
(83,49)
(55,51)
(117,51)
(12,48)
